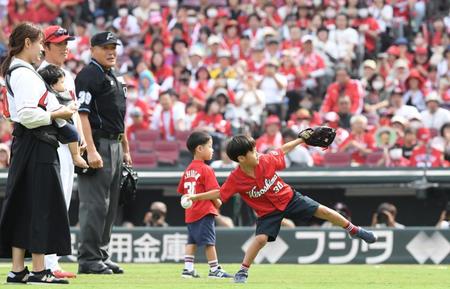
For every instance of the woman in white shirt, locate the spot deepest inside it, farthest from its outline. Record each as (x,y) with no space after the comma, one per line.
(34,217)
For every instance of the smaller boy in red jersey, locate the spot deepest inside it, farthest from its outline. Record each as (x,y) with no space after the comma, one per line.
(199,178)
(259,185)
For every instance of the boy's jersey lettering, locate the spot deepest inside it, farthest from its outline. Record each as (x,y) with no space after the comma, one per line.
(191,174)
(268,183)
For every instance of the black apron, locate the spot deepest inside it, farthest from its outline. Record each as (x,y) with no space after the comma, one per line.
(34,215)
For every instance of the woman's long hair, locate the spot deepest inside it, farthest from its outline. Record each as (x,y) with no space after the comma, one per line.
(17,42)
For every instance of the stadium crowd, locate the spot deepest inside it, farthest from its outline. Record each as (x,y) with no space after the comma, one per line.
(376,70)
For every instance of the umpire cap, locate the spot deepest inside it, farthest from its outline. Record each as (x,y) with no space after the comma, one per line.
(104,38)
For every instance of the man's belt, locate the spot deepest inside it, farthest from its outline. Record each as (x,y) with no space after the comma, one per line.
(111,136)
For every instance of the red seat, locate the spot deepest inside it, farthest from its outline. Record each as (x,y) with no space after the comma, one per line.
(133,145)
(167,151)
(182,137)
(373,159)
(144,160)
(147,135)
(340,159)
(145,146)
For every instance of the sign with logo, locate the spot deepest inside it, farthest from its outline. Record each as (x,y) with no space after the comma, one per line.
(300,245)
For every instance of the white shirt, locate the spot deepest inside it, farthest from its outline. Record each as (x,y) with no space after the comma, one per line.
(406,111)
(299,155)
(28,88)
(345,40)
(437,119)
(270,88)
(177,113)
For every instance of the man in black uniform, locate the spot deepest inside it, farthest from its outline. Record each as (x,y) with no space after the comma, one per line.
(102,111)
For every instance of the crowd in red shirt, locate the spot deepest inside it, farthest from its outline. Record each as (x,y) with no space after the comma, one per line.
(375,70)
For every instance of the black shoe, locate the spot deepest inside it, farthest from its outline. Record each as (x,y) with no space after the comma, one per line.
(18,277)
(45,277)
(98,268)
(114,267)
(189,274)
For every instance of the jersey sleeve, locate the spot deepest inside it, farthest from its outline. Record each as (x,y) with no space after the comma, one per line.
(180,189)
(276,159)
(210,180)
(228,189)
(84,94)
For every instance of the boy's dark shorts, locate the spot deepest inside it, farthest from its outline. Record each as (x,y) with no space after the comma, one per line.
(202,232)
(300,207)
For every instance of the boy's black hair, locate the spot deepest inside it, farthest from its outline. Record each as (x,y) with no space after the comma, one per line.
(197,138)
(240,145)
(51,73)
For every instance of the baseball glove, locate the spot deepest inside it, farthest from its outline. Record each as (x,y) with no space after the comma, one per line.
(321,136)
(128,185)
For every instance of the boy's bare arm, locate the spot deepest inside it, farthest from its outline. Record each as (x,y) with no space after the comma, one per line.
(210,195)
(289,146)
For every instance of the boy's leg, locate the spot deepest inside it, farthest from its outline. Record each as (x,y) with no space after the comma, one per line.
(257,244)
(215,271)
(189,257)
(337,219)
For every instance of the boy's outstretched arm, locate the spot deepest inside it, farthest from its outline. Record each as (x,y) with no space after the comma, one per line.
(289,146)
(210,195)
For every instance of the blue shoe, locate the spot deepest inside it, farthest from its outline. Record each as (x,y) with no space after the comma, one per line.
(241,277)
(368,236)
(189,274)
(219,274)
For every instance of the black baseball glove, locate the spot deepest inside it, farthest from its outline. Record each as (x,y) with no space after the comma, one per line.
(321,136)
(128,185)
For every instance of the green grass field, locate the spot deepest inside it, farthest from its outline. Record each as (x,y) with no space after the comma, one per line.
(268,277)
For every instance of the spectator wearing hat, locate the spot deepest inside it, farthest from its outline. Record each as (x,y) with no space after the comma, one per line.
(398,75)
(300,120)
(344,85)
(414,94)
(232,39)
(434,117)
(274,86)
(167,117)
(312,65)
(224,69)
(272,137)
(421,62)
(148,87)
(137,122)
(402,44)
(397,106)
(424,155)
(359,143)
(257,62)
(399,124)
(196,55)
(369,71)
(127,26)
(332,119)
(214,42)
(272,48)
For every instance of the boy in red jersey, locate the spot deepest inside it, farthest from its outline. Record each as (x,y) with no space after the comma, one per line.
(262,189)
(199,178)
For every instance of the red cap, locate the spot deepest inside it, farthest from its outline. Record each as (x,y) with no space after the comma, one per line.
(421,50)
(273,119)
(56,34)
(393,50)
(222,13)
(424,134)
